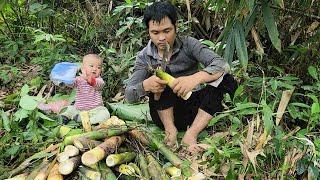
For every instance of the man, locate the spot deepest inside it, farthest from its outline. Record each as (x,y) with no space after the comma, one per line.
(185,55)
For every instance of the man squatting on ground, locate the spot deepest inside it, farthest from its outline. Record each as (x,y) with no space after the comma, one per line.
(209,84)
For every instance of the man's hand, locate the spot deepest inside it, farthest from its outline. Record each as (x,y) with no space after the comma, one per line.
(182,85)
(154,84)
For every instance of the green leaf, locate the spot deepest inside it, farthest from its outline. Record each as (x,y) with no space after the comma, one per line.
(267,117)
(5,121)
(42,116)
(229,50)
(241,45)
(315,108)
(21,114)
(271,25)
(28,103)
(24,90)
(2,3)
(215,119)
(313,72)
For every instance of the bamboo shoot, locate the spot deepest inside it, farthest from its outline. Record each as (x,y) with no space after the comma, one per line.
(116,159)
(98,153)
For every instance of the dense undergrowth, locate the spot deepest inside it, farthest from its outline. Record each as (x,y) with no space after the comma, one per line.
(273,47)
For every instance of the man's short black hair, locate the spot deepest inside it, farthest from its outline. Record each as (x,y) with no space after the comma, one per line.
(158,11)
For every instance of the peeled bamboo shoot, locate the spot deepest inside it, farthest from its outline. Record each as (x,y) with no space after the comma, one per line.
(127,170)
(116,159)
(169,79)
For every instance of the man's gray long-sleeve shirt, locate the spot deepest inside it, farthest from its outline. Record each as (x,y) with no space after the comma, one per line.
(187,53)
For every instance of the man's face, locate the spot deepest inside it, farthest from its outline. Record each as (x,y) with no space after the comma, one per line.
(162,32)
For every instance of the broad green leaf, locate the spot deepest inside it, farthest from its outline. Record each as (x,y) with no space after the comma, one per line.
(241,45)
(271,25)
(267,117)
(5,121)
(315,108)
(41,115)
(21,114)
(313,72)
(300,105)
(13,151)
(28,103)
(240,106)
(229,50)
(24,90)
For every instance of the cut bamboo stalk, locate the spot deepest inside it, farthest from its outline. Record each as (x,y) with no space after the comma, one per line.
(69,165)
(36,171)
(83,144)
(116,159)
(172,170)
(84,116)
(42,174)
(167,153)
(154,168)
(286,96)
(71,150)
(54,173)
(63,156)
(143,166)
(19,177)
(98,153)
(92,175)
(100,134)
(106,172)
(140,136)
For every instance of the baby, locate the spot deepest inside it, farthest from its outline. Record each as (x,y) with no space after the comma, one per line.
(89,91)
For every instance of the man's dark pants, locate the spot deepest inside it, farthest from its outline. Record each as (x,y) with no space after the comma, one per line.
(208,99)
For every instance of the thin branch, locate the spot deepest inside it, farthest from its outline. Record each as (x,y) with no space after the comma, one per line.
(5,21)
(295,11)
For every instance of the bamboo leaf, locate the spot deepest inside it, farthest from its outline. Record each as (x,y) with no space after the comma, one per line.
(313,72)
(241,45)
(229,50)
(5,121)
(267,117)
(249,20)
(271,26)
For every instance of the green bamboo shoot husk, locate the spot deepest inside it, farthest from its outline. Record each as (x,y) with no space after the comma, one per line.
(100,134)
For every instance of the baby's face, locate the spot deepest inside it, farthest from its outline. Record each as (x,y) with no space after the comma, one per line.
(92,66)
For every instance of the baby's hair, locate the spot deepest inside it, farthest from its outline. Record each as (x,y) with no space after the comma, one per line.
(94,56)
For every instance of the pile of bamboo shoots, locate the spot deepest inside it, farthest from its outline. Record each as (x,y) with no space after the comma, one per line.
(110,150)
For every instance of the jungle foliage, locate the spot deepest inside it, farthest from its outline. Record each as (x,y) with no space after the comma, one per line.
(272,46)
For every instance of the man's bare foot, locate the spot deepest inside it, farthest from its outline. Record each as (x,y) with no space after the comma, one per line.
(190,140)
(171,138)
